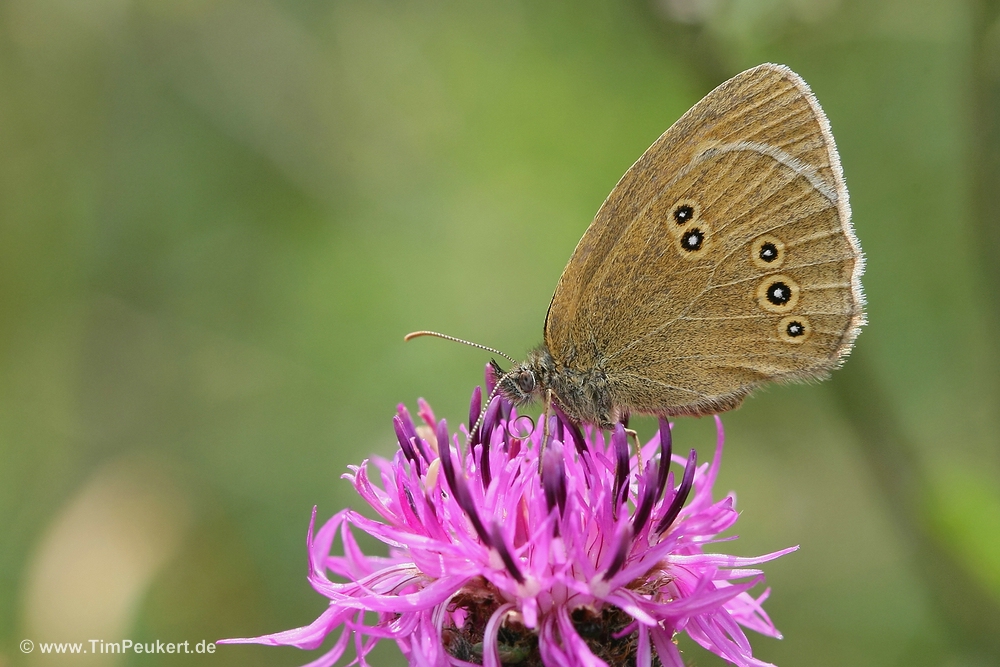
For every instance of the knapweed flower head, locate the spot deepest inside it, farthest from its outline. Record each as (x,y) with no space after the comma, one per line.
(595,557)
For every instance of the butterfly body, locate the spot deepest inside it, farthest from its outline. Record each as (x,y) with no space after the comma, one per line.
(723,259)
(583,393)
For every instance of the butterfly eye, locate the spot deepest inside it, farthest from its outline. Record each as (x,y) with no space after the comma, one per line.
(526,382)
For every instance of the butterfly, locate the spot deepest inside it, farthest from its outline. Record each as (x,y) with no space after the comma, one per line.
(722,260)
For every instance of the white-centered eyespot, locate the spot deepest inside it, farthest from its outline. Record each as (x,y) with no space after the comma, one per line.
(767,252)
(778,294)
(794,329)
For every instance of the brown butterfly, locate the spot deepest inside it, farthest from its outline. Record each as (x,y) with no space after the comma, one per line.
(723,259)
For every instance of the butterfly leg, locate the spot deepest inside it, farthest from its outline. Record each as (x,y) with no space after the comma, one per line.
(638,448)
(545,427)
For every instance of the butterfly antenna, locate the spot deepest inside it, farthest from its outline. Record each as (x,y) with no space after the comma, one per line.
(417,334)
(500,378)
(489,399)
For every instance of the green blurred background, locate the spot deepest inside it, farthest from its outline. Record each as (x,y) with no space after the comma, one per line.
(219,217)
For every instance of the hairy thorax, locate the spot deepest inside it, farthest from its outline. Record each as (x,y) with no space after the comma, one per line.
(583,394)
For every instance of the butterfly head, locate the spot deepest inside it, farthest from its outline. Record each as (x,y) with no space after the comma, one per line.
(527,381)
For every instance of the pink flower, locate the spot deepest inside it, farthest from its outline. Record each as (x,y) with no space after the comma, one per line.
(591,559)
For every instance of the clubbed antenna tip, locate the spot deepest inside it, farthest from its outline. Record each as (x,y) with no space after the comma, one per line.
(416,334)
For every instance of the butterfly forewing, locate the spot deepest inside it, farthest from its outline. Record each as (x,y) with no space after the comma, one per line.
(723,258)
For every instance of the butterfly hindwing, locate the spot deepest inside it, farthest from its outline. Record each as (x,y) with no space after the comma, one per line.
(723,258)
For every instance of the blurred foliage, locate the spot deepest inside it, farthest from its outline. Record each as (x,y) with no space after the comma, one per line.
(219,217)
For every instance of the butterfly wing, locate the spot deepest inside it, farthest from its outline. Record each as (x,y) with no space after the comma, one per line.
(724,258)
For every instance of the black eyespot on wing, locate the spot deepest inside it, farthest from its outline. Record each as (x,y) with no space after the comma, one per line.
(683,214)
(779,293)
(692,240)
(794,329)
(768,252)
